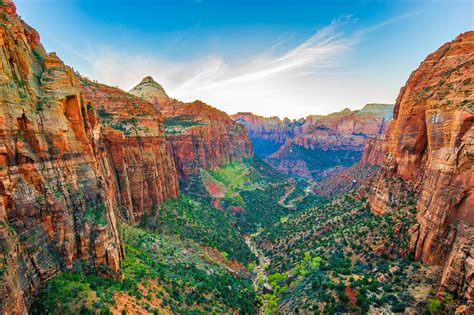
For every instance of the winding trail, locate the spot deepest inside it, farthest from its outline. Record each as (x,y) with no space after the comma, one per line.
(291,203)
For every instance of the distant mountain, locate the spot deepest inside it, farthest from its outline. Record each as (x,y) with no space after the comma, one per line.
(315,146)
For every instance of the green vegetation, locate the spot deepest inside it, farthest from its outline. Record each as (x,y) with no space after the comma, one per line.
(128,126)
(251,189)
(441,304)
(161,273)
(279,282)
(96,214)
(233,175)
(178,124)
(197,220)
(358,258)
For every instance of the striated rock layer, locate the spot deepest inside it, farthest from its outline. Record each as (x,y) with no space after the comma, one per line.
(268,133)
(201,136)
(65,172)
(142,167)
(317,146)
(430,147)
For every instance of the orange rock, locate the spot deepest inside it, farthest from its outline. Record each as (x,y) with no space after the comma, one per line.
(141,161)
(431,148)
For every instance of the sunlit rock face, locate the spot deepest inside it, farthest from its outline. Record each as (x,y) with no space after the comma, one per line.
(431,147)
(74,155)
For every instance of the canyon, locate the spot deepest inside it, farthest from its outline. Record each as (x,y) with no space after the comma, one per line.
(124,202)
(200,135)
(76,156)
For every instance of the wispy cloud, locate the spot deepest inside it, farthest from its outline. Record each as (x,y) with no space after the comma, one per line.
(272,77)
(321,50)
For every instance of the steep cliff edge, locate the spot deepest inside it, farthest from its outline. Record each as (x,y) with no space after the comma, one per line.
(65,172)
(201,136)
(431,151)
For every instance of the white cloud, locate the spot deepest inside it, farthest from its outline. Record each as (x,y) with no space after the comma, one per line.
(305,79)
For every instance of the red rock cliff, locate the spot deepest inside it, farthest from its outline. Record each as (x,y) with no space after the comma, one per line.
(431,147)
(201,136)
(268,133)
(64,174)
(328,142)
(141,162)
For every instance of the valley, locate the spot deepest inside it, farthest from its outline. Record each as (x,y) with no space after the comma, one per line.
(116,202)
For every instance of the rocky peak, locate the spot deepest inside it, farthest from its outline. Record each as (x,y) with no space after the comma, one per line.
(151,91)
(385,110)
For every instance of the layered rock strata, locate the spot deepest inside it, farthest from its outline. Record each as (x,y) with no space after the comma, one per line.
(317,146)
(73,156)
(430,147)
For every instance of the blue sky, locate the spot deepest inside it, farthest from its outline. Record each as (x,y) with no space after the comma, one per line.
(272,57)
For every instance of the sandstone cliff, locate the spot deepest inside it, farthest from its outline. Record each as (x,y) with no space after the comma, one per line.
(133,143)
(201,136)
(65,172)
(431,151)
(268,133)
(328,144)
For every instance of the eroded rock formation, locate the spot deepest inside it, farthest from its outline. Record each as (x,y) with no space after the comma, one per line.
(431,149)
(141,163)
(201,136)
(268,134)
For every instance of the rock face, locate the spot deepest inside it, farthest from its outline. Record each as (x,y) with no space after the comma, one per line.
(149,90)
(317,146)
(73,156)
(201,136)
(430,147)
(134,143)
(268,133)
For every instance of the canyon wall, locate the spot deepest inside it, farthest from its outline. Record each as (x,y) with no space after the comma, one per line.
(316,146)
(268,133)
(134,145)
(201,136)
(430,147)
(73,156)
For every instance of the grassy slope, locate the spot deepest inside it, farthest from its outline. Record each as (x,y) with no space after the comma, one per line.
(195,219)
